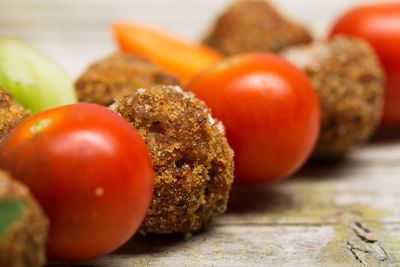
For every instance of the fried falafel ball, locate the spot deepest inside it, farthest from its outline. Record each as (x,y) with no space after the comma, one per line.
(119,75)
(254,26)
(192,161)
(349,81)
(11,113)
(23,226)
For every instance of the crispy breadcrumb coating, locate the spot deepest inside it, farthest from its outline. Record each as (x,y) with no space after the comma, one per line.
(119,75)
(193,163)
(254,26)
(11,113)
(349,81)
(23,243)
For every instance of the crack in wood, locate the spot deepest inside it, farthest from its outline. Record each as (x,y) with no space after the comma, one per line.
(356,253)
(363,233)
(380,252)
(371,245)
(362,227)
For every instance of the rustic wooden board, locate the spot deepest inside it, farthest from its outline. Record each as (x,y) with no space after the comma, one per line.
(341,214)
(329,214)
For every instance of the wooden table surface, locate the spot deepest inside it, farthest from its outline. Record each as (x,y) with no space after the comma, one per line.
(329,214)
(340,214)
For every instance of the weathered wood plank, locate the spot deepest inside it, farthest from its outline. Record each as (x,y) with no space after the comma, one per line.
(344,215)
(320,193)
(260,245)
(227,246)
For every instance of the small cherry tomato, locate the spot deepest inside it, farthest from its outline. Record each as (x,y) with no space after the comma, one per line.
(91,172)
(270,111)
(380,25)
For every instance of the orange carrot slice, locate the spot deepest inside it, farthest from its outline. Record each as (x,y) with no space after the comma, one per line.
(176,56)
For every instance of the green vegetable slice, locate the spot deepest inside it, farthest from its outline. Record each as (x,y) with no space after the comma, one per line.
(34,80)
(10,211)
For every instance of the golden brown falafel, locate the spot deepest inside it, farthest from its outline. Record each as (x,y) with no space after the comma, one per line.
(11,113)
(119,75)
(349,81)
(192,161)
(23,226)
(254,26)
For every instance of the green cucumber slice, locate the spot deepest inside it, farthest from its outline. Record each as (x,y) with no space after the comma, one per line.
(10,211)
(34,80)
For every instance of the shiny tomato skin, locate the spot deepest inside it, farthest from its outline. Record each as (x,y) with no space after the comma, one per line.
(91,172)
(379,24)
(270,111)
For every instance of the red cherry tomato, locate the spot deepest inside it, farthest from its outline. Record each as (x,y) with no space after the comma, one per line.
(91,172)
(380,25)
(270,111)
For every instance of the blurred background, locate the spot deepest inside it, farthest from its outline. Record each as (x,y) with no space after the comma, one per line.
(76,32)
